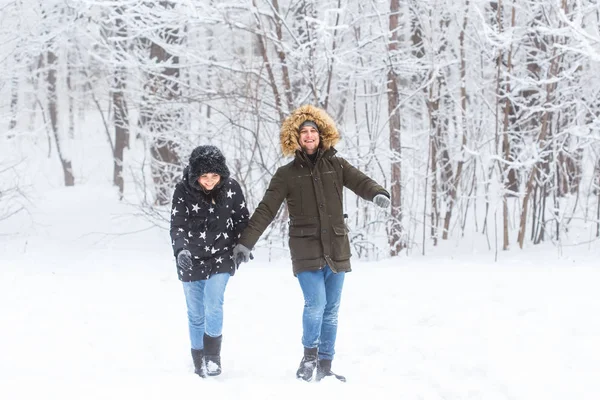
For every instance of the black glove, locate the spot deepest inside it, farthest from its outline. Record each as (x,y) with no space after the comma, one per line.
(381,200)
(184,259)
(241,254)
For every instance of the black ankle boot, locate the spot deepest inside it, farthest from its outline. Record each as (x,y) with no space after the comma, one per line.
(307,365)
(212,354)
(199,368)
(324,369)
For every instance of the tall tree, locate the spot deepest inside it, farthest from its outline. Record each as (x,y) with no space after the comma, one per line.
(160,113)
(51,58)
(395,238)
(119,103)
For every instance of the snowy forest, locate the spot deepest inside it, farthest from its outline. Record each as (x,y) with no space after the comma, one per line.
(481,118)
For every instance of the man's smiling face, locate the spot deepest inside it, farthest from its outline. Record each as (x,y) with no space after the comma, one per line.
(309,139)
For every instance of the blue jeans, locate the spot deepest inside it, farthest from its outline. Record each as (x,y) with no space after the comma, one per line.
(204,301)
(322,292)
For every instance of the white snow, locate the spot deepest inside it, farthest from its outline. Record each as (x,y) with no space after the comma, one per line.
(91,308)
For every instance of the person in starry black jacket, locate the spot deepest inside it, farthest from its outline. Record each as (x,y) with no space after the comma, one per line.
(208,215)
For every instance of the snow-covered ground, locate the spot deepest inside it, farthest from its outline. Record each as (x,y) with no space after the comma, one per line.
(91,308)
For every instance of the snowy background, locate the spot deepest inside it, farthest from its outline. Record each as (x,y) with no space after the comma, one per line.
(485,114)
(91,308)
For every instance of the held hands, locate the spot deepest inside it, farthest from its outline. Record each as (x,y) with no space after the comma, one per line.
(241,254)
(381,200)
(184,259)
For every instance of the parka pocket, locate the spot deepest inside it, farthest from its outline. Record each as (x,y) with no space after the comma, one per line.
(305,243)
(299,231)
(340,242)
(340,229)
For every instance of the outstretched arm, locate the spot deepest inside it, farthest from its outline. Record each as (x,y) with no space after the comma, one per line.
(360,183)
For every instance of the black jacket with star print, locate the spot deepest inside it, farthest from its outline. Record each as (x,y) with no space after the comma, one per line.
(208,225)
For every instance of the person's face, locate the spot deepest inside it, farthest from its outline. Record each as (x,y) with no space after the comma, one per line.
(209,181)
(309,139)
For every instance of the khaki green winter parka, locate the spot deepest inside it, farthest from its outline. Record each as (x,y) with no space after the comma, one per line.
(318,235)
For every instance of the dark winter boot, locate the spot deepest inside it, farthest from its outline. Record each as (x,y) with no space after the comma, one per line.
(212,354)
(307,365)
(324,369)
(199,367)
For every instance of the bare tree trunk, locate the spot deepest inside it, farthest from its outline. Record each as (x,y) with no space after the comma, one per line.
(535,200)
(433,106)
(568,168)
(121,119)
(263,51)
(207,124)
(287,86)
(395,231)
(162,89)
(71,95)
(542,214)
(550,87)
(441,121)
(303,28)
(545,131)
(325,103)
(575,170)
(502,91)
(14,101)
(432,102)
(53,111)
(452,195)
(509,174)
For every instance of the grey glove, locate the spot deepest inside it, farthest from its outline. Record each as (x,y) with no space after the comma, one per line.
(381,200)
(184,259)
(241,254)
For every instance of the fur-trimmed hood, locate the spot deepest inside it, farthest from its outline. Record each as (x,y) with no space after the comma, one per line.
(289,135)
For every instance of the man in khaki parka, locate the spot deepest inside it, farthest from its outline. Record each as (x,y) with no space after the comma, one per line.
(312,185)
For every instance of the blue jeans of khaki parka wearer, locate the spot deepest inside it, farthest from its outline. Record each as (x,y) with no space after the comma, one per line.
(322,290)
